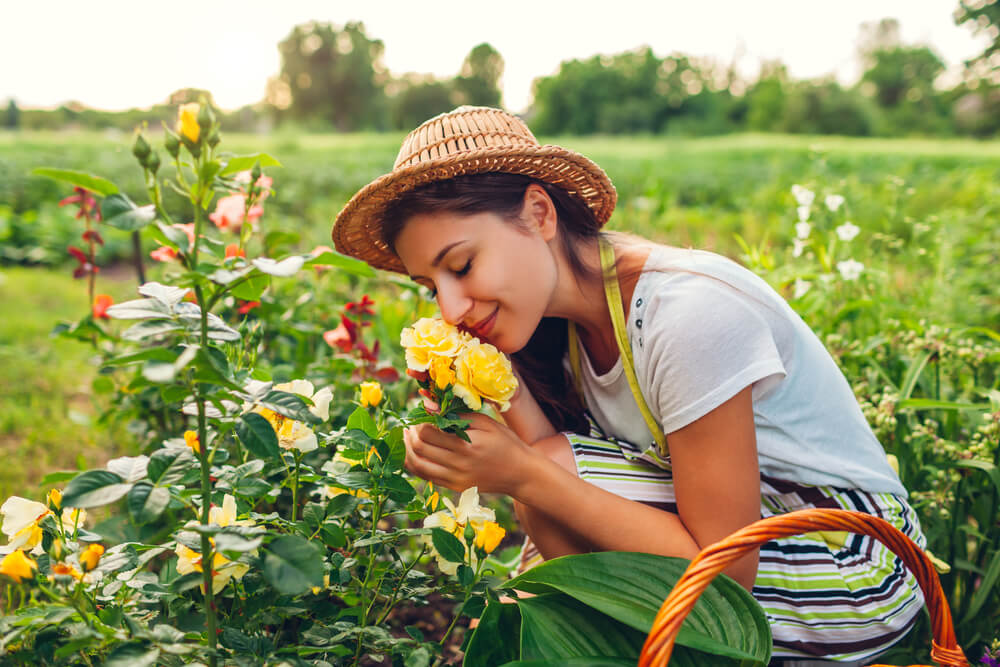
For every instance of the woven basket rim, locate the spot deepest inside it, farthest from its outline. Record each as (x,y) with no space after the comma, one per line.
(357,228)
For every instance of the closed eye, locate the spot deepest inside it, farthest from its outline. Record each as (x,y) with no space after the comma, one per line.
(465,269)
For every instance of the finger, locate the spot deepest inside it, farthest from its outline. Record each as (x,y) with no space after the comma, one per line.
(432,435)
(429,403)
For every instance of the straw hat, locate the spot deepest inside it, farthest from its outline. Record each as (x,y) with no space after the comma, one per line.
(468,140)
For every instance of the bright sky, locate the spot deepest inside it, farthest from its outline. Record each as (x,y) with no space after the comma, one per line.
(116,54)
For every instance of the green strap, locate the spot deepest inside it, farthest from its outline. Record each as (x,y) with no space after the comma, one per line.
(617,311)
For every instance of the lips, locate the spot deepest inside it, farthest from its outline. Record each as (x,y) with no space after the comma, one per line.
(482,328)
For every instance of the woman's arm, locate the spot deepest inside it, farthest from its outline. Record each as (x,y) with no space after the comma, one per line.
(715,475)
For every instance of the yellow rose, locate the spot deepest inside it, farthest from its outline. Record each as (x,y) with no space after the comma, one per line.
(187,121)
(371,394)
(429,338)
(484,372)
(67,570)
(91,556)
(17,566)
(489,536)
(441,372)
(54,499)
(191,440)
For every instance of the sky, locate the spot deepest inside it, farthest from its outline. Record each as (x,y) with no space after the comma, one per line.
(118,54)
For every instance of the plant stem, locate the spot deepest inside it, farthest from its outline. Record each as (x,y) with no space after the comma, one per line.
(376,513)
(295,487)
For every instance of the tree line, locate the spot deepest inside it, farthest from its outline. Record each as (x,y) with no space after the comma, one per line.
(333,78)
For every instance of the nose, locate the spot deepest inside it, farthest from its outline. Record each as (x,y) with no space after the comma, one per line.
(453,302)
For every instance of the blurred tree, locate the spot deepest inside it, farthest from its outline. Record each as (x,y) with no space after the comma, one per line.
(901,80)
(333,74)
(983,17)
(478,82)
(188,95)
(767,97)
(824,107)
(413,98)
(12,119)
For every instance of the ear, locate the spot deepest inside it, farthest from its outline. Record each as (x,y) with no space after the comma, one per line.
(539,212)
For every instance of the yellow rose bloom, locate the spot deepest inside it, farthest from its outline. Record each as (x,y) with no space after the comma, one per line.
(91,556)
(68,570)
(54,499)
(187,121)
(191,440)
(483,372)
(17,566)
(441,372)
(489,536)
(429,338)
(371,394)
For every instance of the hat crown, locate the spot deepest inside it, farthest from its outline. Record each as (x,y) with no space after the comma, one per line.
(461,131)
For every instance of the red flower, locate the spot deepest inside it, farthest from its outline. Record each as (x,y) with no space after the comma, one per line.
(84,266)
(247,306)
(339,338)
(91,236)
(101,304)
(163,254)
(386,374)
(87,204)
(363,307)
(234,250)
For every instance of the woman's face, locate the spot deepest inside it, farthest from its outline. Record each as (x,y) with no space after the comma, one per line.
(491,277)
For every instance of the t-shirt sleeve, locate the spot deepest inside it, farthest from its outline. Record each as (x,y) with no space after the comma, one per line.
(703,342)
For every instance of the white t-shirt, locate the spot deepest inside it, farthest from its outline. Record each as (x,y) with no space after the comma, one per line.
(702,328)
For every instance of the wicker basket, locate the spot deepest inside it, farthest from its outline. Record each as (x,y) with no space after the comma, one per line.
(716,557)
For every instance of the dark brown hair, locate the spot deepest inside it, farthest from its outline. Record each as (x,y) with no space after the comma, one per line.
(540,362)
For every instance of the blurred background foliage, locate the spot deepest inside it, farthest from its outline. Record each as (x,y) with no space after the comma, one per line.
(333,78)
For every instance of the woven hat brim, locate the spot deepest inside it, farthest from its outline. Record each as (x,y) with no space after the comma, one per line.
(357,231)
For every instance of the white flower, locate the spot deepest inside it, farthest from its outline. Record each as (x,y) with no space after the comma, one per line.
(801,287)
(847,231)
(454,520)
(321,399)
(850,269)
(802,229)
(21,519)
(799,246)
(803,212)
(804,196)
(833,202)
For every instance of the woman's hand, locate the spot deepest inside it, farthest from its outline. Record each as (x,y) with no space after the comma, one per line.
(489,461)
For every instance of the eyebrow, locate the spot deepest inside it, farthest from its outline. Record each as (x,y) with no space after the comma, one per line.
(440,256)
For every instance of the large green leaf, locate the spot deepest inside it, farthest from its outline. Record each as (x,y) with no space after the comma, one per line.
(588,661)
(133,654)
(495,641)
(120,212)
(94,488)
(258,436)
(95,184)
(290,405)
(557,626)
(362,421)
(448,545)
(146,502)
(293,564)
(631,587)
(169,466)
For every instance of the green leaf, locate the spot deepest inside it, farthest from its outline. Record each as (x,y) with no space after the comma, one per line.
(169,466)
(586,661)
(931,404)
(146,502)
(133,654)
(400,490)
(496,638)
(448,545)
(342,263)
(912,375)
(630,587)
(140,309)
(983,591)
(290,405)
(556,626)
(122,213)
(94,488)
(231,544)
(986,466)
(258,436)
(95,184)
(292,565)
(362,421)
(397,450)
(240,163)
(251,288)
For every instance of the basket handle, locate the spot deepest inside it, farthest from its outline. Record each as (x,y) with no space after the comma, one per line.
(716,557)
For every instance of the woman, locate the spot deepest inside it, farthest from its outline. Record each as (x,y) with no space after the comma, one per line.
(669,396)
